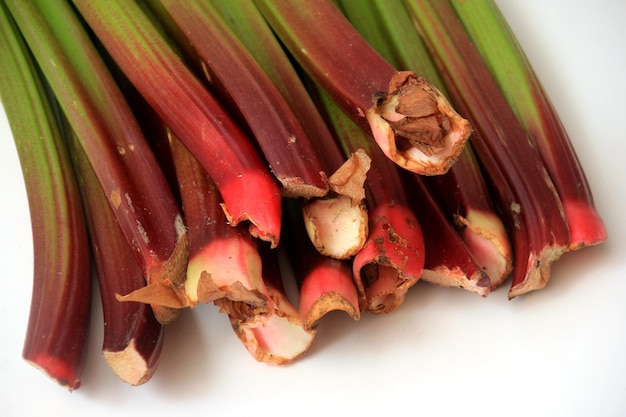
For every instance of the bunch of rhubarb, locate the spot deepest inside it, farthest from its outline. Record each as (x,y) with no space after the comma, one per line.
(224,152)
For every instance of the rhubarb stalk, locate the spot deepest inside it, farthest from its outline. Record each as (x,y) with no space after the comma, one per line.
(58,323)
(132,180)
(223,259)
(251,94)
(337,223)
(211,134)
(392,259)
(526,196)
(133,338)
(461,192)
(513,72)
(325,284)
(277,335)
(448,261)
(413,124)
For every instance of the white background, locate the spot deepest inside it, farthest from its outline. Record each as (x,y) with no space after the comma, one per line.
(556,352)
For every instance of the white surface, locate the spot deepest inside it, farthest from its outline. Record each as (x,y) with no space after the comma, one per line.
(556,352)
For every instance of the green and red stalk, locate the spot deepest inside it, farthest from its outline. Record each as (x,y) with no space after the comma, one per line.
(223,260)
(448,262)
(275,335)
(522,89)
(56,335)
(130,176)
(236,77)
(133,337)
(325,284)
(249,190)
(226,268)
(526,196)
(344,204)
(461,192)
(410,120)
(392,259)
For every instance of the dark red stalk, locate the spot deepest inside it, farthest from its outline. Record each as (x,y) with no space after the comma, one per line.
(133,338)
(337,223)
(240,81)
(463,195)
(415,127)
(448,261)
(526,195)
(249,190)
(132,180)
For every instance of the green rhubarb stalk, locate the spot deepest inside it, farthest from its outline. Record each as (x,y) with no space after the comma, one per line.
(131,178)
(530,206)
(513,72)
(133,338)
(462,191)
(336,224)
(251,95)
(59,316)
(411,122)
(145,56)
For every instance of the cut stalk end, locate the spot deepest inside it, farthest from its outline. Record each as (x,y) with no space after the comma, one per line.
(129,365)
(416,127)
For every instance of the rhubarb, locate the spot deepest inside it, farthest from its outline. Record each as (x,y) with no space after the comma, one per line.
(58,322)
(523,91)
(410,120)
(251,94)
(325,284)
(448,262)
(211,134)
(336,223)
(223,259)
(392,259)
(133,338)
(461,192)
(526,196)
(133,182)
(276,335)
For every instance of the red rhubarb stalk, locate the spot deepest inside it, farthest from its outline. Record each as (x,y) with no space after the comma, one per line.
(223,260)
(325,284)
(526,196)
(392,259)
(448,261)
(284,142)
(133,182)
(415,126)
(461,192)
(276,335)
(523,91)
(133,338)
(336,223)
(58,322)
(249,190)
